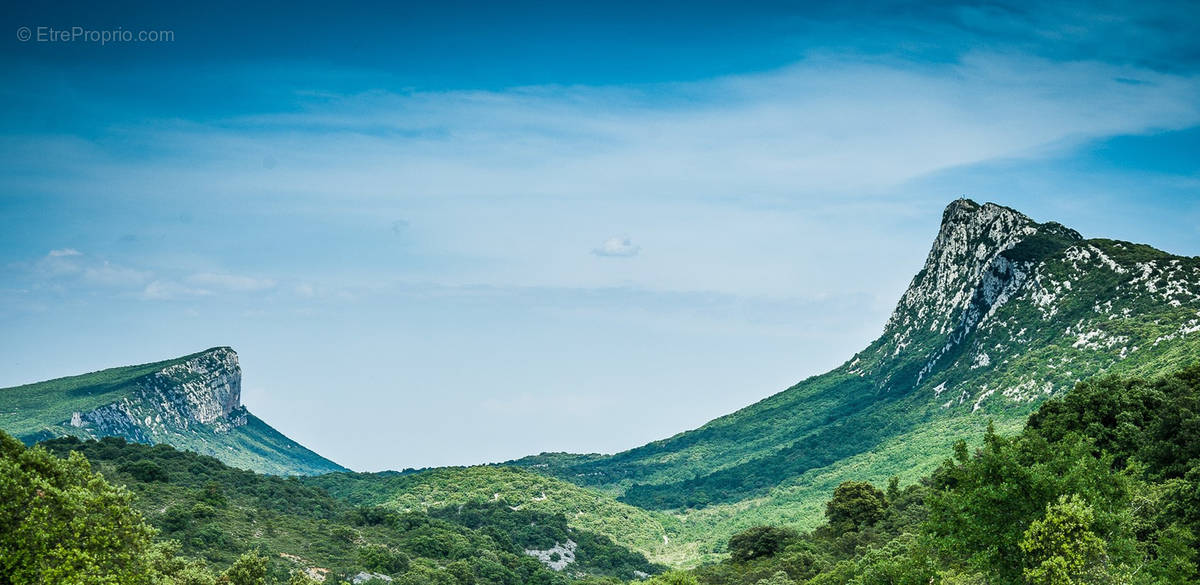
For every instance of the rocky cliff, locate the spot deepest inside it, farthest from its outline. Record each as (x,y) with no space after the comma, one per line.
(205,389)
(1010,307)
(193,402)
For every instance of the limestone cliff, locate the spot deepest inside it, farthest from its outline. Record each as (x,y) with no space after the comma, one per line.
(193,402)
(205,389)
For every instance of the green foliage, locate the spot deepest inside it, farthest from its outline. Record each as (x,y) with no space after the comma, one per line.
(490,490)
(1093,491)
(759,542)
(855,504)
(145,471)
(1038,247)
(252,525)
(62,523)
(377,558)
(1061,549)
(673,578)
(248,569)
(298,577)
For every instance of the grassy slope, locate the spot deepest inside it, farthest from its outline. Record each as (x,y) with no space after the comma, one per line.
(32,408)
(38,411)
(585,509)
(254,446)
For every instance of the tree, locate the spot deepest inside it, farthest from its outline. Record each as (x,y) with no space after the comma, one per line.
(381,559)
(674,578)
(759,542)
(855,504)
(299,577)
(1061,548)
(62,523)
(779,578)
(249,569)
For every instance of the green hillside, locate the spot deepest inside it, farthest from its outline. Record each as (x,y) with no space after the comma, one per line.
(217,514)
(192,402)
(653,534)
(1005,313)
(1098,486)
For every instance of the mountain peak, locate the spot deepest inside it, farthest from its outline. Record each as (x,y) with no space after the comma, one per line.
(970,267)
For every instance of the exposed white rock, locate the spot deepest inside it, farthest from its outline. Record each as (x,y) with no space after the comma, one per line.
(205,389)
(364,576)
(557,557)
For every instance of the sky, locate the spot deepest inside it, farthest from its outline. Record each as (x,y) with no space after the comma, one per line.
(461,232)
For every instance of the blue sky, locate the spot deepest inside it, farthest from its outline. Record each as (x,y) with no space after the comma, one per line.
(450,233)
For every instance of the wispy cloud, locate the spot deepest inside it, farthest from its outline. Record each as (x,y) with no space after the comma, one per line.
(67,271)
(230,282)
(107,274)
(617,248)
(165,290)
(567,166)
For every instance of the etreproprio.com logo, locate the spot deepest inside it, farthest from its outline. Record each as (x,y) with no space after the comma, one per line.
(79,34)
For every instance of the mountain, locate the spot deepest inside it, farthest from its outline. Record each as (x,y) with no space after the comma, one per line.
(1005,313)
(192,402)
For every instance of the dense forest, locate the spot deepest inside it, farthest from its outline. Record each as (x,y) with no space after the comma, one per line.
(1101,486)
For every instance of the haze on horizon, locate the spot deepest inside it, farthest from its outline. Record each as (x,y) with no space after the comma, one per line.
(465,233)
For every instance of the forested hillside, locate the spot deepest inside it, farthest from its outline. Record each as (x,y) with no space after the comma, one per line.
(1101,486)
(209,517)
(651,533)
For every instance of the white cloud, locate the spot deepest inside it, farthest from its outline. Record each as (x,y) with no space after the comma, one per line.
(107,274)
(617,247)
(230,282)
(776,162)
(163,290)
(64,252)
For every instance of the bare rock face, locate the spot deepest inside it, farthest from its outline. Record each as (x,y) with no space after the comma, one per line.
(964,263)
(205,389)
(1006,306)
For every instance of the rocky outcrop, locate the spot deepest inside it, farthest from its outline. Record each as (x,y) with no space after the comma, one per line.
(971,239)
(556,558)
(1005,306)
(203,389)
